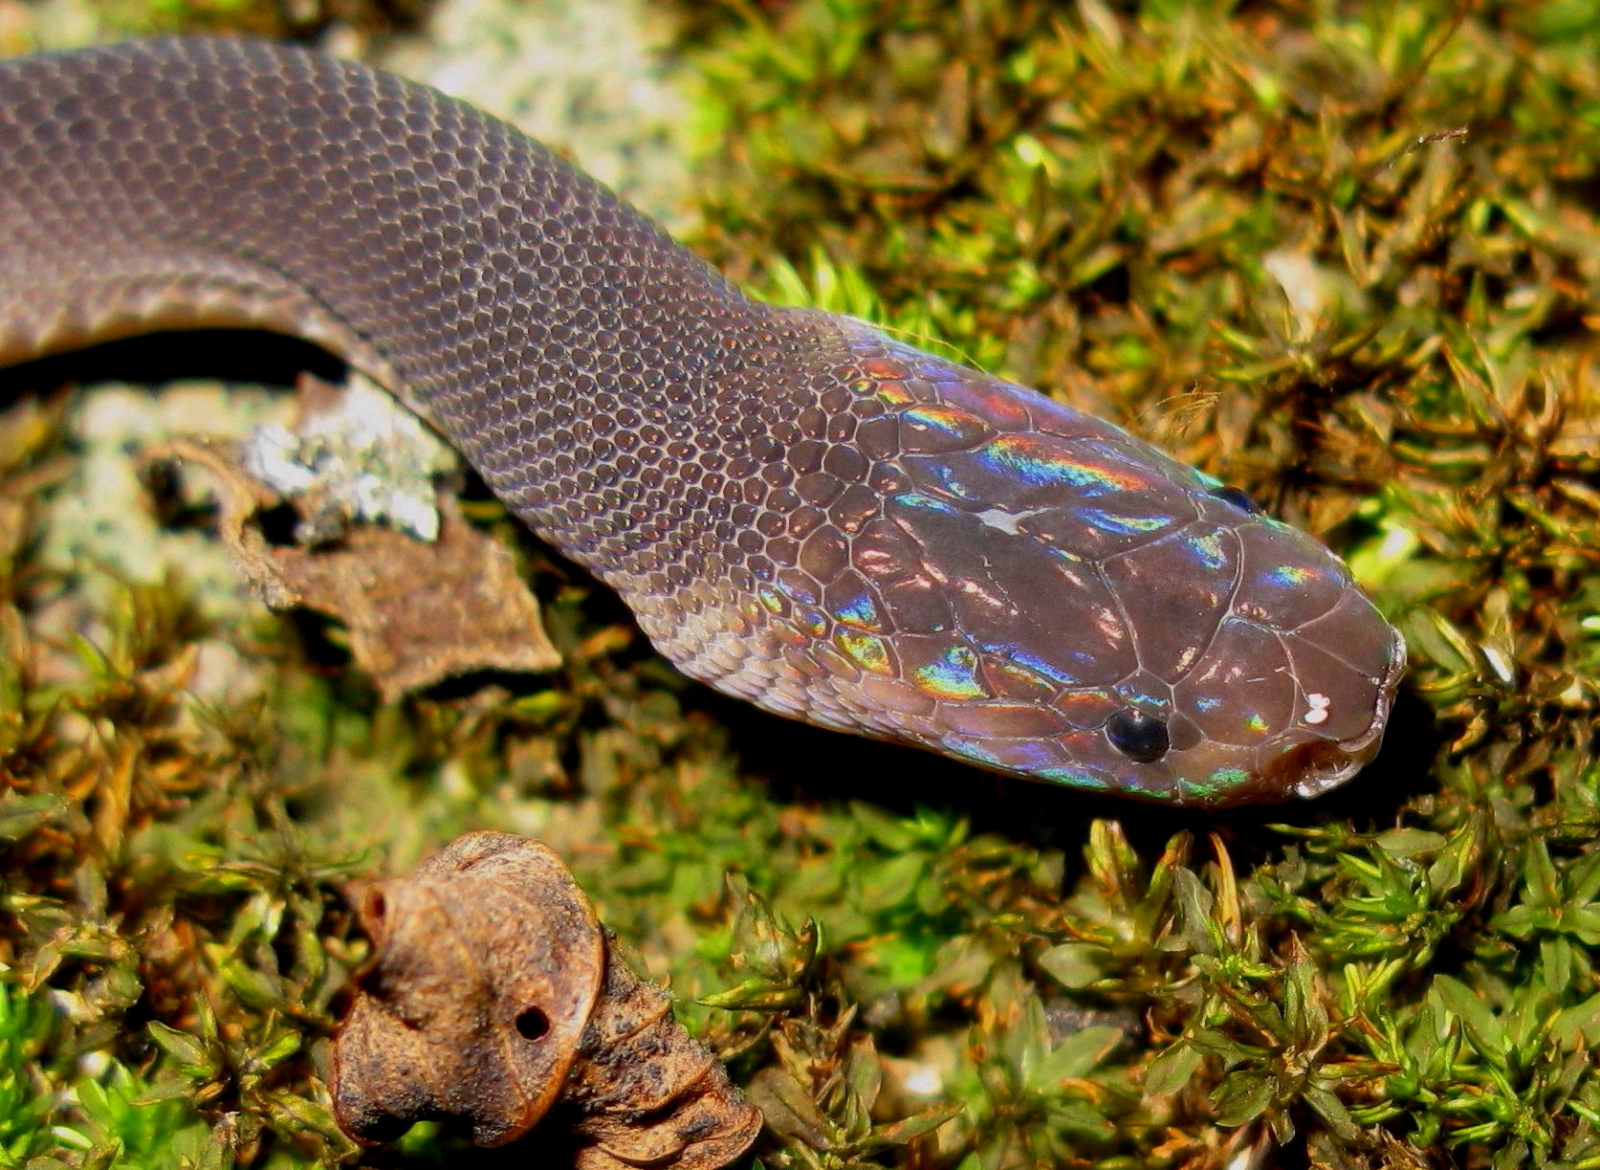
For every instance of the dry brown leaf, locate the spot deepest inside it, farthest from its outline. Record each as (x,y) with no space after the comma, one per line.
(417,612)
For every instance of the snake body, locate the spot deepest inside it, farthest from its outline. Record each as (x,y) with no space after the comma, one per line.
(799,509)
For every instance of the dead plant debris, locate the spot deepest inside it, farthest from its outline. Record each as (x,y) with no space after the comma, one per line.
(493,995)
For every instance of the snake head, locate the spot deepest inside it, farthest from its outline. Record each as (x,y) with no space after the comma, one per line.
(992,575)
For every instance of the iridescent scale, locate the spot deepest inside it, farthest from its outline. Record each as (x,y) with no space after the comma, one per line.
(1028,571)
(798,509)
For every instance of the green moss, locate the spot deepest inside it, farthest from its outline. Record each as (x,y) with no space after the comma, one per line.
(305,18)
(1432,414)
(1342,255)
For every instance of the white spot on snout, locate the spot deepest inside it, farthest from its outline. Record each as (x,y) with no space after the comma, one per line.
(999,518)
(1316,709)
(1007,522)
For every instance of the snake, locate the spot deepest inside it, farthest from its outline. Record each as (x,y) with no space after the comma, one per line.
(799,509)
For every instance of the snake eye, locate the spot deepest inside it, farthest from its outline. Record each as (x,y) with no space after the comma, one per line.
(1232,495)
(1137,735)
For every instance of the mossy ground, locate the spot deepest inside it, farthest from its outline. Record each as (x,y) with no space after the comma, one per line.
(1343,255)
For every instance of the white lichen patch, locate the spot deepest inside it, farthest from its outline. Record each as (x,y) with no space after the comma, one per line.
(589,78)
(103,520)
(363,458)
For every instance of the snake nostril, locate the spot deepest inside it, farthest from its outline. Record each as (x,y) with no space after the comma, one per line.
(1138,735)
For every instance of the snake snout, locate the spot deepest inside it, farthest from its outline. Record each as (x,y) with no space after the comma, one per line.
(1325,764)
(1311,769)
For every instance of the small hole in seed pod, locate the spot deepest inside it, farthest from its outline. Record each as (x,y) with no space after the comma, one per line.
(532,1024)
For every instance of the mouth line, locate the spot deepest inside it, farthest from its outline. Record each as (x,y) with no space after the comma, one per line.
(1387,689)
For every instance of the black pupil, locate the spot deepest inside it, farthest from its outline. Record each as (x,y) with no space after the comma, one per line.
(1137,735)
(1232,495)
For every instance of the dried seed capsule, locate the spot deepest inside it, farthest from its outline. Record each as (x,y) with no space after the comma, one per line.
(493,995)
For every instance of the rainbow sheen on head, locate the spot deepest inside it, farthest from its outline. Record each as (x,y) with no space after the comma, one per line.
(1035,590)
